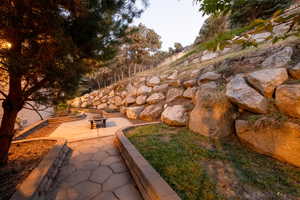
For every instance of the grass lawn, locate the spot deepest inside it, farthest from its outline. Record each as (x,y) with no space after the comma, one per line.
(201,169)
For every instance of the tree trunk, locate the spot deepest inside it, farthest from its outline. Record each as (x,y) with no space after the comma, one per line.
(12,104)
(7,132)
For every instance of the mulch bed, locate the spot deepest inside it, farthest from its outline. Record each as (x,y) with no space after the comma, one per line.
(23,158)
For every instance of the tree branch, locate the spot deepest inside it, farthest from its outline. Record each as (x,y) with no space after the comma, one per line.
(34,109)
(3,93)
(34,88)
(2,68)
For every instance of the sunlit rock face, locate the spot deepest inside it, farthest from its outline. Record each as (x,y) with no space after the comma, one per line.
(213,114)
(151,113)
(288,99)
(175,115)
(279,59)
(241,94)
(267,80)
(281,141)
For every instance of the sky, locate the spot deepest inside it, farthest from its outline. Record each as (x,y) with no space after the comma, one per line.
(174,20)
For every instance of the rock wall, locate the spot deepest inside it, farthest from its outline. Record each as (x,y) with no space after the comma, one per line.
(254,89)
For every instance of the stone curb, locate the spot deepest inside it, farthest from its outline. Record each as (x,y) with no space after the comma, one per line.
(151,185)
(38,183)
(28,130)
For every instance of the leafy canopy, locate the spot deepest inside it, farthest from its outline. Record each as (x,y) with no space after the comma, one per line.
(242,12)
(51,42)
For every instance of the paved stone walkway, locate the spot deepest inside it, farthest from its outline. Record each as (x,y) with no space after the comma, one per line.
(81,128)
(94,171)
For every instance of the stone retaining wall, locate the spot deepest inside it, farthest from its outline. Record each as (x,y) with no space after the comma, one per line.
(151,185)
(39,181)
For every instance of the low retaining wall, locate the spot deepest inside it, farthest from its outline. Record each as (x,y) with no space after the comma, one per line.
(151,185)
(40,124)
(28,130)
(38,183)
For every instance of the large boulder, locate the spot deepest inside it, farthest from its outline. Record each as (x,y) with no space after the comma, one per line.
(151,113)
(174,93)
(134,112)
(102,106)
(129,100)
(208,76)
(84,104)
(295,71)
(267,80)
(118,101)
(175,83)
(153,81)
(113,107)
(190,92)
(76,102)
(189,83)
(111,93)
(287,99)
(140,100)
(123,110)
(207,55)
(175,116)
(213,114)
(173,76)
(281,142)
(156,98)
(144,90)
(279,59)
(240,93)
(132,91)
(161,88)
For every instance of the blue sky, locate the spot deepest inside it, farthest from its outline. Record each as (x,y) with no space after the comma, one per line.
(173,20)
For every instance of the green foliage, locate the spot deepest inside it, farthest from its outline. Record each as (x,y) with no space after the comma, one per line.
(52,42)
(242,12)
(180,157)
(220,41)
(212,26)
(178,47)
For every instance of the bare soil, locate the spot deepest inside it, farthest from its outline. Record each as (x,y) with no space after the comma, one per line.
(23,158)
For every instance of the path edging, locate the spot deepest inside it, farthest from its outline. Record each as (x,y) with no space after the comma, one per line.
(151,185)
(40,180)
(31,128)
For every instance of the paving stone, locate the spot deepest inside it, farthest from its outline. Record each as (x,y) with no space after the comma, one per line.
(105,196)
(81,157)
(113,152)
(87,189)
(87,165)
(72,194)
(116,181)
(110,160)
(86,183)
(78,177)
(100,156)
(118,167)
(61,194)
(128,192)
(66,171)
(101,174)
(88,149)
